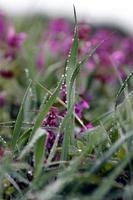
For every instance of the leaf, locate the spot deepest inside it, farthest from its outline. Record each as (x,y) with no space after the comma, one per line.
(19,120)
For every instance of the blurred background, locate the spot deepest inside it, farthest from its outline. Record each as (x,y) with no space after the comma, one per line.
(117,12)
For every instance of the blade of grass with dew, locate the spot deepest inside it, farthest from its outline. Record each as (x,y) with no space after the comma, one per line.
(125,83)
(85,60)
(44,108)
(19,120)
(71,64)
(69,120)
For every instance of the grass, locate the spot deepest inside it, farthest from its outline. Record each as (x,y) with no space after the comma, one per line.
(94,165)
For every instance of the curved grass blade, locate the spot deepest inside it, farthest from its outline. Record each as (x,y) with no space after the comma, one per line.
(62,103)
(85,60)
(44,109)
(38,134)
(19,120)
(23,138)
(123,86)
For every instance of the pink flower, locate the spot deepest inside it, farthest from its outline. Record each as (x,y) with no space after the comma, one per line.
(118,57)
(58,26)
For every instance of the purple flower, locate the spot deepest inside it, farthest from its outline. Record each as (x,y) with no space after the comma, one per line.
(88,126)
(15,40)
(118,58)
(8,74)
(52,118)
(58,26)
(80,107)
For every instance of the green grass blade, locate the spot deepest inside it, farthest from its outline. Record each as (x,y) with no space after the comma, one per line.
(23,138)
(123,86)
(19,120)
(71,64)
(69,120)
(39,154)
(38,134)
(66,129)
(45,108)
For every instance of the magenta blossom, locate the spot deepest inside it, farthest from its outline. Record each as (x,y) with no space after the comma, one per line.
(80,107)
(87,126)
(118,58)
(15,40)
(58,26)
(84,31)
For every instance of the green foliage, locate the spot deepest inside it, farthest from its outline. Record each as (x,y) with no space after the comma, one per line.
(95,164)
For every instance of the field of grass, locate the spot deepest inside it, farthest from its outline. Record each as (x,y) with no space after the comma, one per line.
(66,104)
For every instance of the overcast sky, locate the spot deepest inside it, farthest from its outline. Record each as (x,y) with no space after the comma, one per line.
(116,11)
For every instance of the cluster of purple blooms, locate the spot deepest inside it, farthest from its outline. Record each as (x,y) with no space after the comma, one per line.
(54,117)
(116,51)
(10,45)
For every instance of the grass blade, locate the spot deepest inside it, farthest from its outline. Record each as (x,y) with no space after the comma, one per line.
(68,122)
(123,86)
(45,108)
(39,154)
(38,134)
(19,120)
